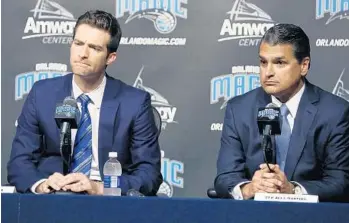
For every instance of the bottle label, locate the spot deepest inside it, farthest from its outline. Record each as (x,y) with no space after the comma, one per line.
(111,181)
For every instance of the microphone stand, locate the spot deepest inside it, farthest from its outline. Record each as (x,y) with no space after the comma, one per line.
(66,151)
(267,147)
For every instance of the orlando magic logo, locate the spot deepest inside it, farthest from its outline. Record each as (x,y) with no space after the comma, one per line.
(338,9)
(162,13)
(170,170)
(242,80)
(66,110)
(165,190)
(268,113)
(166,110)
(164,22)
(25,81)
(339,89)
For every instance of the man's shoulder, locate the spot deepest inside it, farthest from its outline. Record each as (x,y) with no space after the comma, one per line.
(126,90)
(52,83)
(331,100)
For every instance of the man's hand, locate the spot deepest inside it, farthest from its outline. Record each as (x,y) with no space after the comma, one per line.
(258,184)
(52,183)
(277,178)
(78,182)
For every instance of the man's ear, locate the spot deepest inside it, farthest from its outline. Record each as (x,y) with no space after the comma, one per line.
(111,58)
(305,64)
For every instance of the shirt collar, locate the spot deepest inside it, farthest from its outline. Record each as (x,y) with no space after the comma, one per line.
(96,95)
(293,103)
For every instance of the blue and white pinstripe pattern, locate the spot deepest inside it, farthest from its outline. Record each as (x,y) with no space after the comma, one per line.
(82,157)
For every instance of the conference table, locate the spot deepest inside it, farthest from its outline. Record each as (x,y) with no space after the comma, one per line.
(86,208)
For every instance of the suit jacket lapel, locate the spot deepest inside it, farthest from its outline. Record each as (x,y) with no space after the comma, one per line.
(304,119)
(107,121)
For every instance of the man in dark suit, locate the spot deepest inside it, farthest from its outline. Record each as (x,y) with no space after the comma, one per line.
(116,117)
(312,152)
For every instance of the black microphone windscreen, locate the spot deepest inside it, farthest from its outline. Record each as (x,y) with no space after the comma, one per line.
(271,105)
(269,115)
(67,111)
(70,101)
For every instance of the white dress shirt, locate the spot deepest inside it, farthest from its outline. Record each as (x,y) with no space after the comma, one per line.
(94,108)
(292,105)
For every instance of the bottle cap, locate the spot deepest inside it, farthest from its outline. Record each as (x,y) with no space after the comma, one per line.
(113,154)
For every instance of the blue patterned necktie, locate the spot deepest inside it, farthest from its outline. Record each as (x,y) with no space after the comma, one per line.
(82,157)
(283,140)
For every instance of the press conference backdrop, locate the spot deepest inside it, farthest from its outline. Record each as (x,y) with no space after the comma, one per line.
(190,55)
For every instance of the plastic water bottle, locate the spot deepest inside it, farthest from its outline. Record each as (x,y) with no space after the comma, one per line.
(112,171)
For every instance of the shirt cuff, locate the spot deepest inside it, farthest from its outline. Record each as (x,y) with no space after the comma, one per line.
(33,188)
(304,191)
(236,192)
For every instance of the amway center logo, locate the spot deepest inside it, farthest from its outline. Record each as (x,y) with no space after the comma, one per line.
(339,89)
(163,14)
(51,22)
(167,111)
(241,80)
(25,81)
(247,23)
(170,170)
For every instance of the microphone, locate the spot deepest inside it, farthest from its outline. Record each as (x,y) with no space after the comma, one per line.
(268,120)
(66,116)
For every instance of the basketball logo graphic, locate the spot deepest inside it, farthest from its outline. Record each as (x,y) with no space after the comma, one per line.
(165,23)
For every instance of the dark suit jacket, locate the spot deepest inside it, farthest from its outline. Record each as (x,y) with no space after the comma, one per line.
(318,155)
(126,126)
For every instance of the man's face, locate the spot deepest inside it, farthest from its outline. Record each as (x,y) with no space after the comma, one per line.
(280,72)
(89,53)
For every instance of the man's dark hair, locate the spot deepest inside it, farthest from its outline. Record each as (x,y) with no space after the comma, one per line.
(105,21)
(289,34)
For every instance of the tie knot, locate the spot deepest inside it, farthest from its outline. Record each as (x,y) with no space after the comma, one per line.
(84,100)
(284,110)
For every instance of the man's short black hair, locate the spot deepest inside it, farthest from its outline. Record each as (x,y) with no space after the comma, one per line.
(105,21)
(289,34)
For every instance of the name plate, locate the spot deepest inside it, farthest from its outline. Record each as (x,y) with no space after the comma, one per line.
(8,189)
(286,197)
